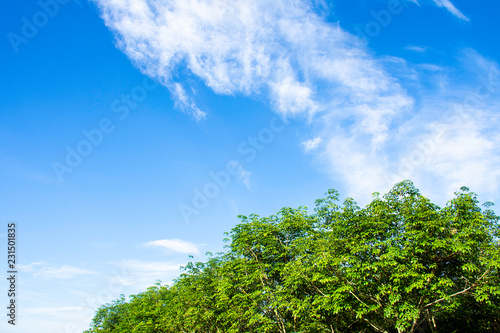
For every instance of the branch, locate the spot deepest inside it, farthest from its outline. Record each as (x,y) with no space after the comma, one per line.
(312,284)
(460,292)
(350,292)
(347,327)
(375,327)
(371,298)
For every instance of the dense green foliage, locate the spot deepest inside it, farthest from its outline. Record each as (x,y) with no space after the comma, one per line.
(401,264)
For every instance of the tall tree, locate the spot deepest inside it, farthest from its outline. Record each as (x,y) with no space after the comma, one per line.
(401,264)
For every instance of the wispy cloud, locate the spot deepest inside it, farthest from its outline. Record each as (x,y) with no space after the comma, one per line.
(63,272)
(415,48)
(312,144)
(451,8)
(465,155)
(143,274)
(31,267)
(176,245)
(185,102)
(278,48)
(47,271)
(53,311)
(359,105)
(148,266)
(244,177)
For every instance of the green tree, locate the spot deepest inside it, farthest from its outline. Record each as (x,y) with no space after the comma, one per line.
(401,264)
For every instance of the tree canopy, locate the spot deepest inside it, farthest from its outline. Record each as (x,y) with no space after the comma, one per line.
(401,264)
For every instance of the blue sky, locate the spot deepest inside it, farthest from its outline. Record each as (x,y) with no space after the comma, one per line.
(133,132)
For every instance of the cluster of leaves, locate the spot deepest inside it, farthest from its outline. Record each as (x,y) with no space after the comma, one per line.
(401,264)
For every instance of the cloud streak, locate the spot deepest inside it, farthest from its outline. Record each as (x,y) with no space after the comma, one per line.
(449,6)
(176,245)
(185,102)
(46,271)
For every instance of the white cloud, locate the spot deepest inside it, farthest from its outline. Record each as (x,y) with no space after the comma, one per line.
(185,102)
(361,167)
(148,266)
(415,48)
(451,8)
(31,267)
(278,48)
(139,275)
(369,123)
(176,245)
(430,67)
(453,139)
(44,270)
(63,272)
(312,144)
(466,153)
(242,175)
(292,97)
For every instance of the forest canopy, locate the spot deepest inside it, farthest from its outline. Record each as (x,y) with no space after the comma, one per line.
(400,264)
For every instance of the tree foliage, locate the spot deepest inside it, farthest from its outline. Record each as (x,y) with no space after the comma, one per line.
(401,264)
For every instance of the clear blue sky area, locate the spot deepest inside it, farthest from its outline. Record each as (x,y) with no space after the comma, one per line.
(134,132)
